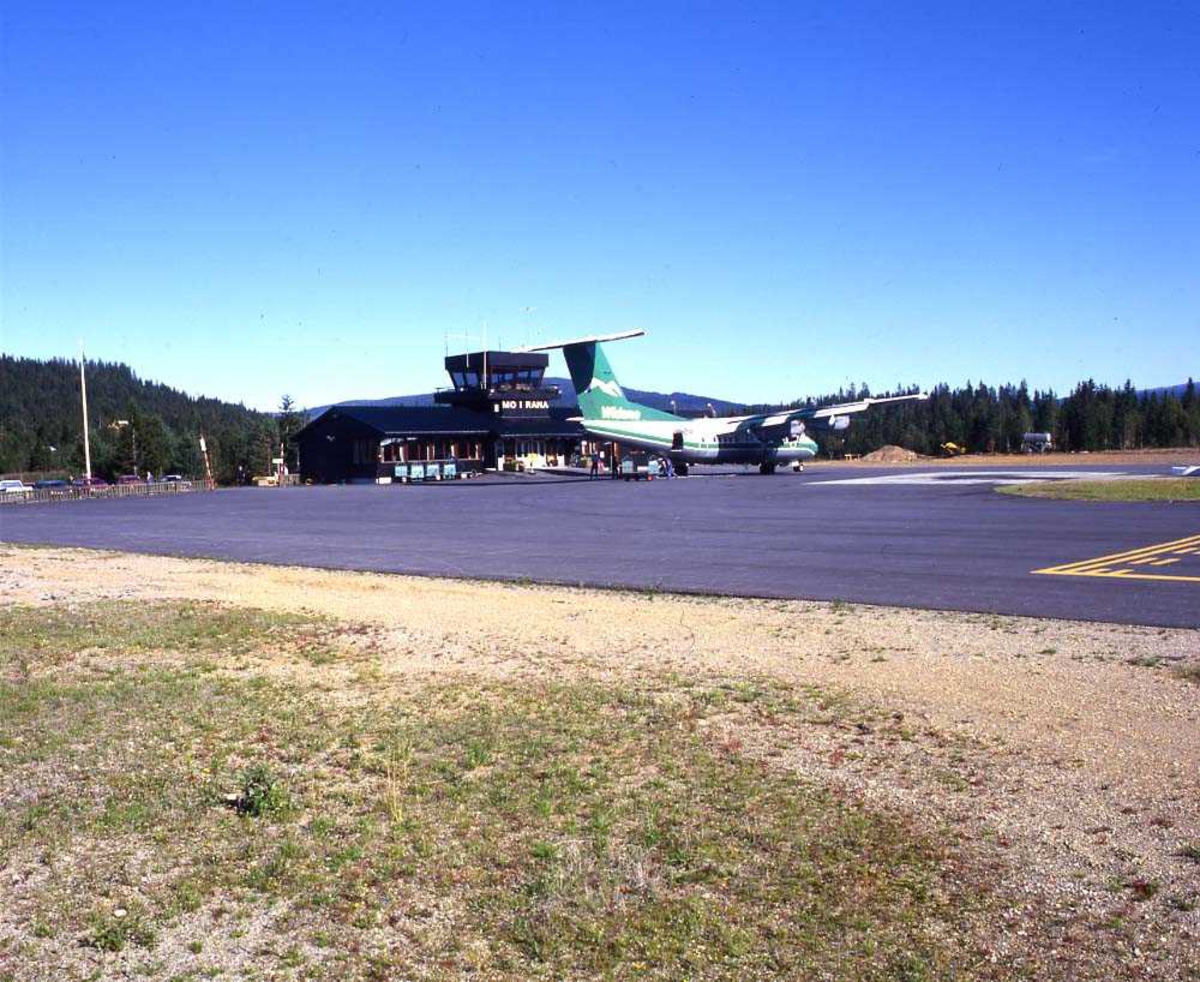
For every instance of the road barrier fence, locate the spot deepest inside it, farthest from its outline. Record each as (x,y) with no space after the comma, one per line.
(72,493)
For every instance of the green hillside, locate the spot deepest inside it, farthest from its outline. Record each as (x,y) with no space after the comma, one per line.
(41,426)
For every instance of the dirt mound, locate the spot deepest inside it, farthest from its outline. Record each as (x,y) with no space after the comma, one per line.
(891,454)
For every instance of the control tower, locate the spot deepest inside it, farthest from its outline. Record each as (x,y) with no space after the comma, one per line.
(506,383)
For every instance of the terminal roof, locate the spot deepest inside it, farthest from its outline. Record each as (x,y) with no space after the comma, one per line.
(438,420)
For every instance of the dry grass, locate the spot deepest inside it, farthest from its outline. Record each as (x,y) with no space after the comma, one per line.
(382,777)
(155,811)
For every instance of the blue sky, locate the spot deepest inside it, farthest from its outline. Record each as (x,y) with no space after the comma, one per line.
(243,200)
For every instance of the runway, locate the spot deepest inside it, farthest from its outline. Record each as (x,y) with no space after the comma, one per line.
(894,536)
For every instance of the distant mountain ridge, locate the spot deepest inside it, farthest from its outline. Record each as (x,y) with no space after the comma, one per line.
(1175,390)
(685,402)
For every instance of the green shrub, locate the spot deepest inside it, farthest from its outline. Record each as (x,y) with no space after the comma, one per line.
(260,794)
(113,931)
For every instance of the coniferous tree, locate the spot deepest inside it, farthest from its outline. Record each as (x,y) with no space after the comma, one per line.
(290,423)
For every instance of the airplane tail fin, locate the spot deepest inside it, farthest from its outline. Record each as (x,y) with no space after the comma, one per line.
(600,394)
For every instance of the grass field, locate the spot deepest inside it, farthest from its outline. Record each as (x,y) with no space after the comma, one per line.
(187,816)
(1131,489)
(217,771)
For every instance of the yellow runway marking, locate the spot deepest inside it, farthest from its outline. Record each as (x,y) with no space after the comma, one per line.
(1133,563)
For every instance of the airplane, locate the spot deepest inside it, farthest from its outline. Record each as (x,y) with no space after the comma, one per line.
(765,439)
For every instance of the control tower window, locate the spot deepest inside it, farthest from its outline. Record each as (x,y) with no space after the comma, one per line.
(470,379)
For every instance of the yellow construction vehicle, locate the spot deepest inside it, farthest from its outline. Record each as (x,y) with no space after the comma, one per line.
(952,450)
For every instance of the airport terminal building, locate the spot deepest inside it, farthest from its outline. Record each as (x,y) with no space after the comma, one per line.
(498,414)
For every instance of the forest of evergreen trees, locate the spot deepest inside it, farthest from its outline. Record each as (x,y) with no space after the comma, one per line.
(40,429)
(993,420)
(40,422)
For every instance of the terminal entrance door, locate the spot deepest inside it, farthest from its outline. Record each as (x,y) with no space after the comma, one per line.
(530,453)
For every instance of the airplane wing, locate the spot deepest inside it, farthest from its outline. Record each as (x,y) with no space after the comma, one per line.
(831,415)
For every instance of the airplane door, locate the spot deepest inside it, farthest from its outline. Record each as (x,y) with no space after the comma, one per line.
(677,440)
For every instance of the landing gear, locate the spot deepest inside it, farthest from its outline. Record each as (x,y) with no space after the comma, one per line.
(766,468)
(681,469)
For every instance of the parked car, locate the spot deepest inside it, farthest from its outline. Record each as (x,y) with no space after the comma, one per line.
(56,486)
(129,479)
(11,489)
(172,478)
(88,484)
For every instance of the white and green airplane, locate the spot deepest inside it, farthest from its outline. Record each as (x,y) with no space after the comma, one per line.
(766,439)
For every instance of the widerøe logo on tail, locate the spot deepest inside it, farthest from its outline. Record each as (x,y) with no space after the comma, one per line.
(609,388)
(619,412)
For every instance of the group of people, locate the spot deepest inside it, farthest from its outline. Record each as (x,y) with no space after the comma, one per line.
(666,467)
